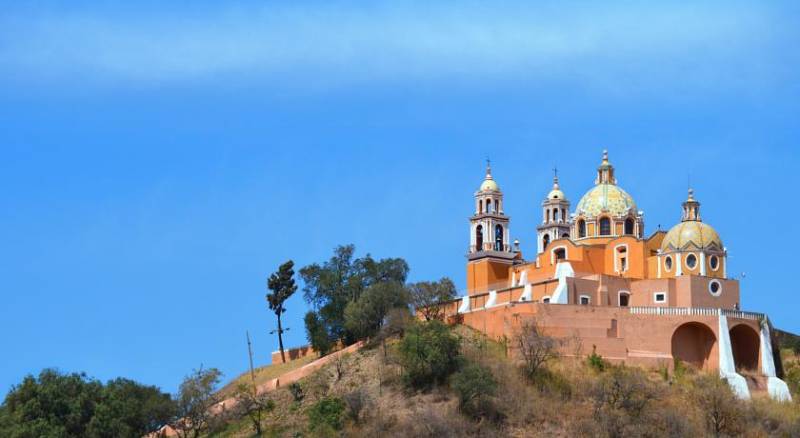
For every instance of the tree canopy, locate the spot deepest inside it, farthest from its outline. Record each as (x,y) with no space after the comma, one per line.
(53,404)
(329,287)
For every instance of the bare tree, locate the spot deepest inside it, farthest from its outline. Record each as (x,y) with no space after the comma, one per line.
(426,296)
(253,405)
(196,396)
(535,348)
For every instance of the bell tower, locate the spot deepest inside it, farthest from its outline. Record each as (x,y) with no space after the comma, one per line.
(555,217)
(490,251)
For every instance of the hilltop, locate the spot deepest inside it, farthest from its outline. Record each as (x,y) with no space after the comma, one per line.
(365,394)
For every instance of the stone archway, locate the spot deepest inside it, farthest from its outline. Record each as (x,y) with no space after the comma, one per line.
(692,343)
(745,344)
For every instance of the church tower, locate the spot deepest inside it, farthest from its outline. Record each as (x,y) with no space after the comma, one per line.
(555,218)
(490,252)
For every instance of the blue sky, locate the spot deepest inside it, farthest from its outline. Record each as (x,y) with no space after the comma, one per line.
(160,161)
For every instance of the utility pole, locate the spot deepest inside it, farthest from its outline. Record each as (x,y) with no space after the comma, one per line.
(250,353)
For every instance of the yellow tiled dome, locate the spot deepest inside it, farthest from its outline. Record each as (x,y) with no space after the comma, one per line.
(691,234)
(608,198)
(489,185)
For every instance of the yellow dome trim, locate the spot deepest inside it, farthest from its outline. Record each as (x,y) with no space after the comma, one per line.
(606,198)
(691,234)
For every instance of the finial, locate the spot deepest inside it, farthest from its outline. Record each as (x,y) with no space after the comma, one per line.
(488,168)
(691,194)
(605,156)
(555,177)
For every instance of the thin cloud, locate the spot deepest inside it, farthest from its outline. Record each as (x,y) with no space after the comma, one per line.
(339,45)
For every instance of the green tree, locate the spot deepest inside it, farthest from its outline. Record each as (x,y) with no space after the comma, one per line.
(326,415)
(334,284)
(73,405)
(129,409)
(429,354)
(474,385)
(196,395)
(365,316)
(318,335)
(282,286)
(426,294)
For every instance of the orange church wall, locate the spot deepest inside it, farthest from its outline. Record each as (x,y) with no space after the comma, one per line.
(485,275)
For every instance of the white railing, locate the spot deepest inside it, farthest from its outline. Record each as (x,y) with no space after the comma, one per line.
(694,311)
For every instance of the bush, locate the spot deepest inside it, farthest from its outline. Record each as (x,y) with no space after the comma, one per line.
(297,392)
(317,334)
(474,385)
(535,348)
(721,409)
(326,415)
(596,362)
(429,354)
(356,402)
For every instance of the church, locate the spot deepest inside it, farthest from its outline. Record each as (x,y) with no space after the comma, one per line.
(599,282)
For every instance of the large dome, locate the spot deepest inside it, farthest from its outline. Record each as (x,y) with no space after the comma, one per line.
(691,234)
(489,185)
(608,198)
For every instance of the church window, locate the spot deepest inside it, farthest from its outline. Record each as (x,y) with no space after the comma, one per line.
(560,254)
(581,228)
(555,215)
(565,236)
(488,205)
(479,238)
(691,261)
(498,238)
(585,300)
(480,206)
(714,262)
(624,299)
(545,241)
(563,215)
(660,297)
(605,226)
(546,300)
(547,215)
(629,226)
(715,287)
(668,263)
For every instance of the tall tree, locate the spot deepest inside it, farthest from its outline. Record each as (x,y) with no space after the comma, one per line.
(334,284)
(282,285)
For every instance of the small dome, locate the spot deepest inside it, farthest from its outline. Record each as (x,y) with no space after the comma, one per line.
(489,185)
(555,194)
(691,234)
(608,198)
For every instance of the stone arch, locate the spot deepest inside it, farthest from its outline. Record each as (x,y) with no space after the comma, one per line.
(745,344)
(692,343)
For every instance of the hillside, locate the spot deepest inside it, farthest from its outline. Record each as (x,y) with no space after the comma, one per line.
(570,398)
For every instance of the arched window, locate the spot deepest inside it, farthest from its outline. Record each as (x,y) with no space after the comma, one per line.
(629,226)
(545,241)
(488,205)
(555,215)
(563,214)
(581,228)
(668,263)
(498,238)
(480,206)
(565,236)
(547,215)
(605,226)
(560,254)
(479,238)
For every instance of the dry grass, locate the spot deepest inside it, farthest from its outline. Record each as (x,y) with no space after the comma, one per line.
(567,401)
(265,374)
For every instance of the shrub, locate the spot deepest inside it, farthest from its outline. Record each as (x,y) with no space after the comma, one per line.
(596,362)
(535,348)
(356,401)
(721,409)
(623,389)
(552,383)
(474,385)
(429,354)
(326,415)
(297,392)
